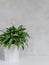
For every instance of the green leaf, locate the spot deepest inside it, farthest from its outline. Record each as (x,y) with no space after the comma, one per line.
(0,43)
(22,45)
(21,28)
(10,43)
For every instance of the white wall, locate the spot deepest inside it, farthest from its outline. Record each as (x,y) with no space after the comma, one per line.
(34,15)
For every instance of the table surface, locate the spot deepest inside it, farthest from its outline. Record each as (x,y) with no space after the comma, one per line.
(30,60)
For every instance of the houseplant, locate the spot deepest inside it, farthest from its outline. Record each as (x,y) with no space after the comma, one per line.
(12,39)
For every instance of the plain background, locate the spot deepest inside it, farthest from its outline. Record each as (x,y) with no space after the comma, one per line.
(34,15)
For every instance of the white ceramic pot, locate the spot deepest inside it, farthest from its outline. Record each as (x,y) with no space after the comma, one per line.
(11,55)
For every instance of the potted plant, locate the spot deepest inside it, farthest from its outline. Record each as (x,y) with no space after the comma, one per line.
(12,39)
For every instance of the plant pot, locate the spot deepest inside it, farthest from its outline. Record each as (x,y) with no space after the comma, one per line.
(11,54)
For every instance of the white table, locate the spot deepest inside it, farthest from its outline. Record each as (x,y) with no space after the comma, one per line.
(35,60)
(31,60)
